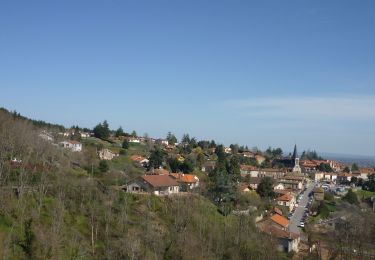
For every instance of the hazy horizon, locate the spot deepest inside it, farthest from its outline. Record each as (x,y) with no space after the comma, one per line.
(257,74)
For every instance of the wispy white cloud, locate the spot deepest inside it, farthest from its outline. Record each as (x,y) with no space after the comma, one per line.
(307,108)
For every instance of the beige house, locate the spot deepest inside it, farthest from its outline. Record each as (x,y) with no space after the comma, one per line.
(317,176)
(330,176)
(286,200)
(159,185)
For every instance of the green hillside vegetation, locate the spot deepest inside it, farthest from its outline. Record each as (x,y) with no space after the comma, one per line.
(57,204)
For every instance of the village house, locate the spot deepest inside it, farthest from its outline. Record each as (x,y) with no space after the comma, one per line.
(260,159)
(316,176)
(345,177)
(294,182)
(72,145)
(107,154)
(277,227)
(169,148)
(254,182)
(248,154)
(140,160)
(318,194)
(189,181)
(159,171)
(278,186)
(228,150)
(286,200)
(244,187)
(365,172)
(208,166)
(132,139)
(156,184)
(162,142)
(272,173)
(65,134)
(313,165)
(249,170)
(330,176)
(84,135)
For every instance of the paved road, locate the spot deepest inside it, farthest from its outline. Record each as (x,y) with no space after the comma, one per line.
(298,214)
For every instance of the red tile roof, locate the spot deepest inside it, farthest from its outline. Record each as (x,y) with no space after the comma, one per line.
(279,233)
(247,167)
(137,158)
(280,220)
(186,178)
(285,197)
(160,180)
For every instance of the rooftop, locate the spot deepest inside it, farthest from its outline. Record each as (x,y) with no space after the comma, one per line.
(160,180)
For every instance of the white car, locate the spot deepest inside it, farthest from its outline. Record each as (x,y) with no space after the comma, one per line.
(301,224)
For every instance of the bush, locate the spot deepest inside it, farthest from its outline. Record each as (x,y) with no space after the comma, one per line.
(103,166)
(328,196)
(351,197)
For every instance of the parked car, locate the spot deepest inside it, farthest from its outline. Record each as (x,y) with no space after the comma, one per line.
(302,224)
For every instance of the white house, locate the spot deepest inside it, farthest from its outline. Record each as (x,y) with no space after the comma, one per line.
(330,176)
(228,150)
(162,142)
(84,134)
(72,145)
(134,140)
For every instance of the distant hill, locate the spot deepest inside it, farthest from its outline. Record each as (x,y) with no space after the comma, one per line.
(361,160)
(37,123)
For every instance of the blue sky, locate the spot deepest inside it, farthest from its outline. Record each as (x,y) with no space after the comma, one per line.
(258,73)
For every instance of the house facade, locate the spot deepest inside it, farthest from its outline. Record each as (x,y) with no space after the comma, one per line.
(160,185)
(189,181)
(286,200)
(72,145)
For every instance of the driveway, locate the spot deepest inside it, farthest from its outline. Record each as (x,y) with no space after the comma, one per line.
(298,214)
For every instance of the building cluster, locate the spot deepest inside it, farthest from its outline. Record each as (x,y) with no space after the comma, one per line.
(277,226)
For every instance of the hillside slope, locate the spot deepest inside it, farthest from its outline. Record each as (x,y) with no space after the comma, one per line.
(53,207)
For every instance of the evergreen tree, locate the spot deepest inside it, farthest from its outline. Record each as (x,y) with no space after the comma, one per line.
(156,158)
(185,139)
(222,190)
(134,133)
(102,130)
(233,169)
(171,138)
(119,132)
(265,188)
(125,144)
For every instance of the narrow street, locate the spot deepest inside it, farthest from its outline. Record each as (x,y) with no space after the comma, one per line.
(298,214)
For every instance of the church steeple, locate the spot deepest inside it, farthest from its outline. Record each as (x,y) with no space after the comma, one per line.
(295,154)
(296,168)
